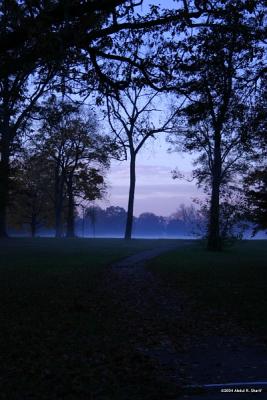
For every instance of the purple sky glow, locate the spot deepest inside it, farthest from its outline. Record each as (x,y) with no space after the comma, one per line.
(156,191)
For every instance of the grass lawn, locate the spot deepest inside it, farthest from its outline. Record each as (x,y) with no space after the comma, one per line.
(57,254)
(59,332)
(231,284)
(64,337)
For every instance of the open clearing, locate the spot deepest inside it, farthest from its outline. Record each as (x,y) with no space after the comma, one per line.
(73,326)
(60,333)
(228,284)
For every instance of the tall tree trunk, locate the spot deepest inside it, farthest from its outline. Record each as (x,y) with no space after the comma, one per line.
(70,216)
(4,184)
(129,221)
(59,195)
(214,237)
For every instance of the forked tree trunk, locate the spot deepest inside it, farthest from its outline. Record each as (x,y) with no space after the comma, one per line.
(129,221)
(214,236)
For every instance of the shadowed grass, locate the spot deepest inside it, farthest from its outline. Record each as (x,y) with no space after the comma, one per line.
(232,283)
(60,334)
(58,254)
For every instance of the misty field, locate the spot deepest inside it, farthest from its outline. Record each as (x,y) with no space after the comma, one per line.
(228,284)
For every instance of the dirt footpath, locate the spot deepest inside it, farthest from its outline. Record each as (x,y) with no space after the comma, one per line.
(186,349)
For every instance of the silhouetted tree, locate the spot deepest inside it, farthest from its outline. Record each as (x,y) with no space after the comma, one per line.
(187,220)
(130,118)
(60,44)
(96,217)
(18,96)
(78,154)
(30,188)
(255,182)
(57,31)
(92,214)
(256,192)
(217,74)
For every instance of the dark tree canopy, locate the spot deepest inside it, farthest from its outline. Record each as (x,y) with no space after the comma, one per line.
(210,54)
(255,182)
(56,45)
(31,189)
(218,73)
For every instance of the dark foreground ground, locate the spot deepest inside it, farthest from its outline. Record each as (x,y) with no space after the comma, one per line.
(75,327)
(223,317)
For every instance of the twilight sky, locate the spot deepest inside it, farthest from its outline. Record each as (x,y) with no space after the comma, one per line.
(156,191)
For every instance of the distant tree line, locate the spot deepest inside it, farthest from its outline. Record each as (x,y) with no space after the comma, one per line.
(94,221)
(207,57)
(186,221)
